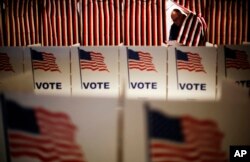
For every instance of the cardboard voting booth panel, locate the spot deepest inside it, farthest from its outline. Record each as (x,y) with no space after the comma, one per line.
(192,73)
(143,71)
(59,128)
(95,71)
(216,125)
(50,68)
(11,65)
(234,66)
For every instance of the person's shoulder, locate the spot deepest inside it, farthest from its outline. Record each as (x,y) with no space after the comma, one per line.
(174,26)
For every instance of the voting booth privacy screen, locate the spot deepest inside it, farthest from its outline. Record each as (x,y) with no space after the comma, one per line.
(177,73)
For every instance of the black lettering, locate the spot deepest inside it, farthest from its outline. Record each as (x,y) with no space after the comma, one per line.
(154,85)
(38,85)
(189,86)
(85,85)
(48,85)
(96,85)
(243,83)
(144,85)
(203,87)
(140,85)
(93,85)
(182,86)
(58,85)
(106,85)
(193,86)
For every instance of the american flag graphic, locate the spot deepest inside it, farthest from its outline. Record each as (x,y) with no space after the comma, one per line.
(41,134)
(44,61)
(5,62)
(236,59)
(92,60)
(179,139)
(189,61)
(140,60)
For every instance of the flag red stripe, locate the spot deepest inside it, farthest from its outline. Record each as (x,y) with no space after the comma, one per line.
(192,64)
(49,148)
(202,142)
(44,158)
(144,62)
(55,141)
(48,63)
(96,62)
(5,63)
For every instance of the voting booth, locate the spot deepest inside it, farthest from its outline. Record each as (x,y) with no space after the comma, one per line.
(192,73)
(98,94)
(168,73)
(11,64)
(95,71)
(143,71)
(234,66)
(50,68)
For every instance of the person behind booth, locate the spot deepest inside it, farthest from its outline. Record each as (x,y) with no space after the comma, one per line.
(187,30)
(178,19)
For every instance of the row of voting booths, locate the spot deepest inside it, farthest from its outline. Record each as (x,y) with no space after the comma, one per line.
(96,96)
(142,72)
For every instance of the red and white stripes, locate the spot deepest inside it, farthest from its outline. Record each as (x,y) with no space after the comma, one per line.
(111,22)
(100,22)
(144,22)
(21,23)
(227,19)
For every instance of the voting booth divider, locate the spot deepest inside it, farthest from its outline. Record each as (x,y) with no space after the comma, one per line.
(166,73)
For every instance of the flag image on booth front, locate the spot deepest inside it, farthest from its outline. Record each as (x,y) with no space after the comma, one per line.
(50,67)
(44,61)
(234,65)
(92,60)
(58,128)
(192,73)
(189,61)
(183,138)
(5,64)
(236,59)
(95,71)
(143,70)
(41,134)
(140,60)
(11,64)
